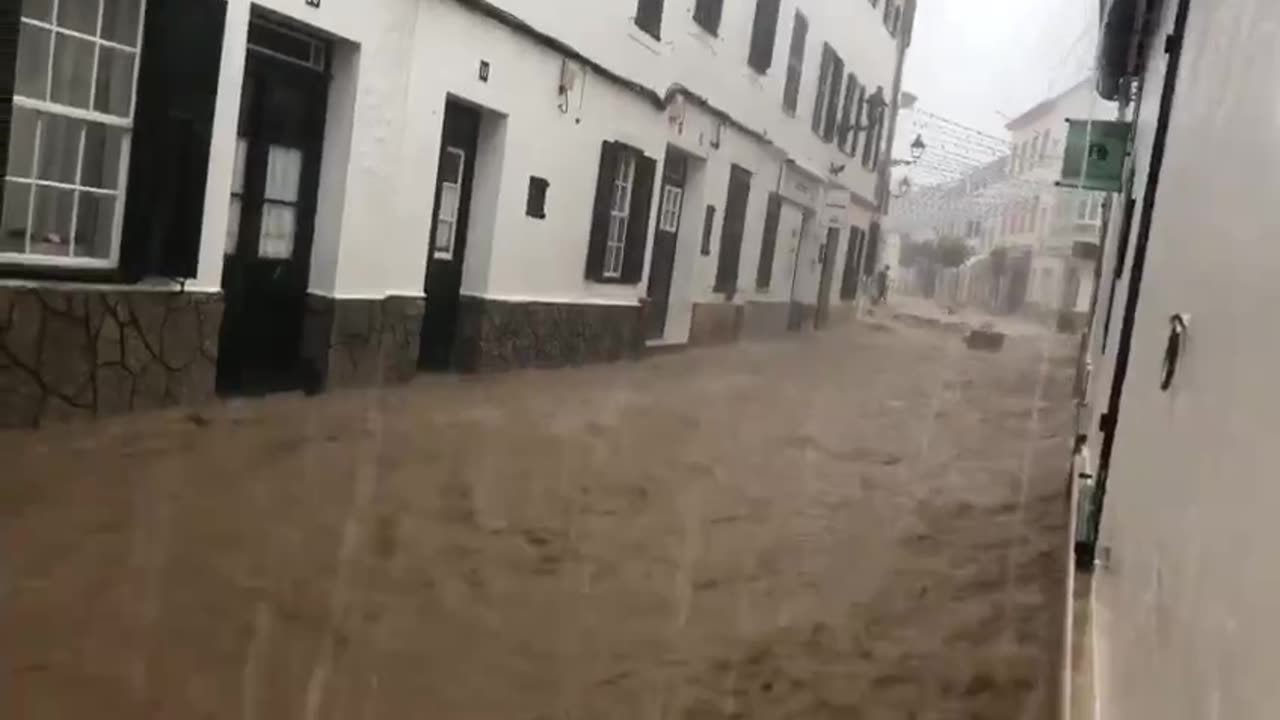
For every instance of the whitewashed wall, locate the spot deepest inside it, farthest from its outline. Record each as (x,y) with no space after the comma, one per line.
(1187,620)
(396,62)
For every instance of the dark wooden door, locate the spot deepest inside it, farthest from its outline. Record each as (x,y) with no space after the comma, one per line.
(735,219)
(829,251)
(670,212)
(271,225)
(443,284)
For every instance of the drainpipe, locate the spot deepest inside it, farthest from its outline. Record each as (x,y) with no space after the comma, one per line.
(904,41)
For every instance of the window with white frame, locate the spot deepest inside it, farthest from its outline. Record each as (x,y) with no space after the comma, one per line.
(669,218)
(452,167)
(74,88)
(619,215)
(1089,208)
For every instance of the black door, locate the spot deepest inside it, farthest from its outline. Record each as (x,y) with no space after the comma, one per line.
(448,237)
(674,171)
(828,260)
(271,224)
(735,220)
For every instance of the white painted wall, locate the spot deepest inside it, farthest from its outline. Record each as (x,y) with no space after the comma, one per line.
(1187,620)
(396,62)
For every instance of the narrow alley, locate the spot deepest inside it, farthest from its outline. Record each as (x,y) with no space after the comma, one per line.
(869,523)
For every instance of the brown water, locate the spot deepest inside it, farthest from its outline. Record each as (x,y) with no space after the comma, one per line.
(864,524)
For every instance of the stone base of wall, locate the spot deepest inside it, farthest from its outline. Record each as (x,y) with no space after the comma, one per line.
(716,323)
(802,316)
(67,353)
(348,342)
(497,335)
(766,319)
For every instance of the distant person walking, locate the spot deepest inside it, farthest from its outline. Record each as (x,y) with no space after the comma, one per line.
(882,286)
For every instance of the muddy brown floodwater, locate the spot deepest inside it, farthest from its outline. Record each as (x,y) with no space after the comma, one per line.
(863,524)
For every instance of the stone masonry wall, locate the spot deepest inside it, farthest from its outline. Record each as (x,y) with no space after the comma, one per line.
(496,335)
(70,353)
(361,342)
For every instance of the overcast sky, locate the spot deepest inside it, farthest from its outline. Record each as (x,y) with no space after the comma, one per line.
(979,62)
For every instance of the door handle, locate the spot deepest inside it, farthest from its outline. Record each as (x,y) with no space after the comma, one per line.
(1173,350)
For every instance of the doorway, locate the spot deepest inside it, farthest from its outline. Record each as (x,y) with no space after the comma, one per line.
(455,176)
(828,263)
(273,207)
(665,239)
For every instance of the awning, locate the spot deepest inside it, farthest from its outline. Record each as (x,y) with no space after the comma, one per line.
(1119,32)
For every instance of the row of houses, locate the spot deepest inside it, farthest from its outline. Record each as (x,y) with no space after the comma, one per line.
(209,196)
(1034,242)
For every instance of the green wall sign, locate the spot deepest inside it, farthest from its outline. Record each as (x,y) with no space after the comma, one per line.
(1095,154)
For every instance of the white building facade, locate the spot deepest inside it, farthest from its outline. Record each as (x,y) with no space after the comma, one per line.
(245,197)
(1184,351)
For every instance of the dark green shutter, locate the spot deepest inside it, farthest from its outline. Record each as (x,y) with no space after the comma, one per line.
(769,243)
(849,281)
(10,22)
(173,129)
(824,83)
(855,131)
(871,256)
(735,216)
(707,13)
(795,63)
(846,114)
(763,33)
(638,220)
(649,17)
(833,100)
(600,210)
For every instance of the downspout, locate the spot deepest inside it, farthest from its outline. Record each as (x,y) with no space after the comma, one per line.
(886,168)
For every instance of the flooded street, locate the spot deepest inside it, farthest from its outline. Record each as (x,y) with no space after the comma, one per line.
(867,523)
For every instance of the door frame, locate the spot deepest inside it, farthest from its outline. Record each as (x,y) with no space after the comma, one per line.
(685,160)
(440,320)
(235,376)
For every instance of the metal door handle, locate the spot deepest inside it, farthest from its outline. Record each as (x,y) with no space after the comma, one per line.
(1173,350)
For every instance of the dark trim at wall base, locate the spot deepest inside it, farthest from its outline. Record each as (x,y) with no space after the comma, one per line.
(359,342)
(70,354)
(803,316)
(496,335)
(716,323)
(766,319)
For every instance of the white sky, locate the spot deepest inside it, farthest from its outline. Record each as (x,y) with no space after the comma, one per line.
(972,60)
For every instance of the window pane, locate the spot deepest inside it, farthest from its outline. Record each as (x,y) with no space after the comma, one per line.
(51,223)
(233,226)
(276,240)
(444,236)
(72,70)
(94,226)
(101,165)
(237,175)
(120,21)
(284,173)
(38,9)
(79,15)
(59,148)
(32,78)
(448,202)
(451,166)
(115,82)
(13,224)
(22,142)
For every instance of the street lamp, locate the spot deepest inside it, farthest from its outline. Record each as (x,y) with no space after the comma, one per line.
(904,188)
(918,149)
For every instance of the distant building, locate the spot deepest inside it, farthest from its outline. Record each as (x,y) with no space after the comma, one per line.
(1060,226)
